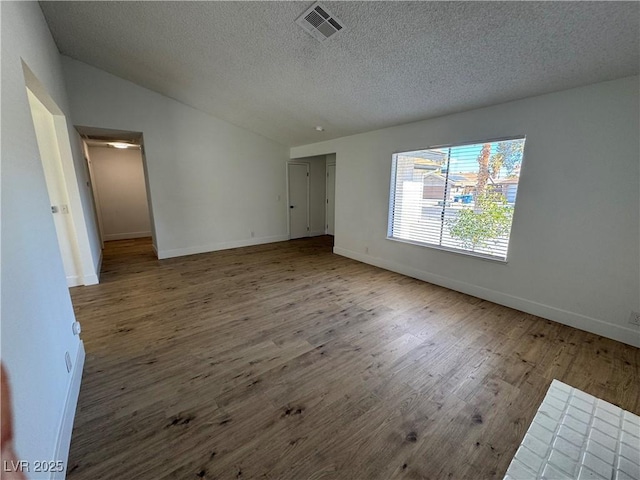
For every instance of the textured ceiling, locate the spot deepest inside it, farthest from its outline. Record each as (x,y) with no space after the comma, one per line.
(395,62)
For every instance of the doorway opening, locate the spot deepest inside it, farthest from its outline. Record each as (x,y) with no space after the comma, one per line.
(119,184)
(311,195)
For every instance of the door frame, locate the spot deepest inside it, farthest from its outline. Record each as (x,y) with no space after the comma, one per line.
(86,272)
(94,191)
(326,191)
(305,164)
(94,184)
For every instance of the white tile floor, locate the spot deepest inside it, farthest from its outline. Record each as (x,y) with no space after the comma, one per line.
(576,435)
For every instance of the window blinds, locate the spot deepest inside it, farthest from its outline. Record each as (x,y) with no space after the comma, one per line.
(459,197)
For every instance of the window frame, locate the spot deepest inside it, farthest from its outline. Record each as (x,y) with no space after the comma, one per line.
(459,251)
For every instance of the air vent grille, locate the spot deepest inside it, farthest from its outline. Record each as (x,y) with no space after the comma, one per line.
(318,22)
(314,19)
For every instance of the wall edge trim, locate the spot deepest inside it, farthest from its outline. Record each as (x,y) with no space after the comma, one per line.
(126,235)
(63,441)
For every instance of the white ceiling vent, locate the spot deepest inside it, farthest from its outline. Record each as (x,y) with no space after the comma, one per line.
(318,22)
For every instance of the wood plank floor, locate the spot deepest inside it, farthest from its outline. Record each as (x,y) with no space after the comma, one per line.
(285,361)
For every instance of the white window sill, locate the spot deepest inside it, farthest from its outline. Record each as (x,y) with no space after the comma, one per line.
(481,256)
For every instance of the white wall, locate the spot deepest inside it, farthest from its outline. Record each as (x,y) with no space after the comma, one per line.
(211,183)
(317,193)
(574,254)
(120,188)
(36,310)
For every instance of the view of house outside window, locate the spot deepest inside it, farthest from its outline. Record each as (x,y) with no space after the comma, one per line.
(458,198)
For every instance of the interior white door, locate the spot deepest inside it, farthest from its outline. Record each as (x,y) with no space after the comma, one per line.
(298,200)
(331,198)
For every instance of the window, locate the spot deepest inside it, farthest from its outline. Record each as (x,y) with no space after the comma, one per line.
(458,198)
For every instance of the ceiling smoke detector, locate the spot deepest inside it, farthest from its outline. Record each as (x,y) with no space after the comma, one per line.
(318,22)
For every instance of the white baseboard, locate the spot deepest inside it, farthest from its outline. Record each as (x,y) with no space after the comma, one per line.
(94,278)
(66,425)
(623,334)
(91,279)
(126,236)
(179,252)
(317,233)
(155,250)
(74,281)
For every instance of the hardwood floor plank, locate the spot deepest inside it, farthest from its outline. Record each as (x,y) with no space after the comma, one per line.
(285,361)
